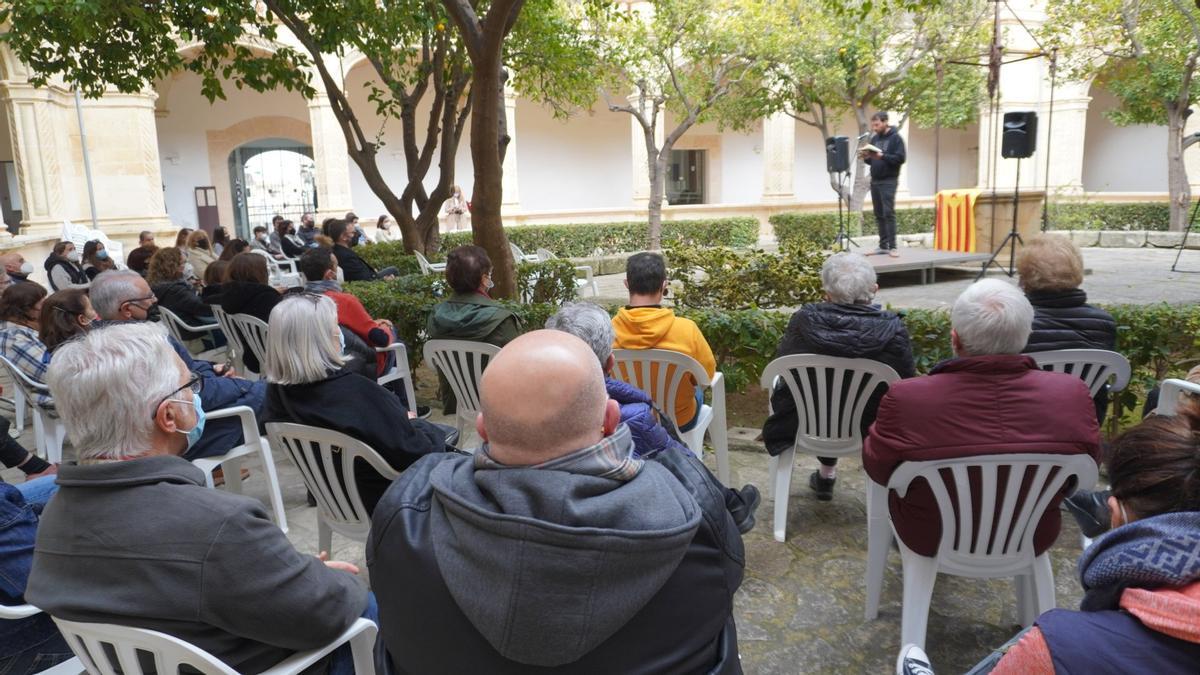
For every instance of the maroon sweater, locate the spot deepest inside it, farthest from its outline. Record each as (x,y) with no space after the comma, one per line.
(979,405)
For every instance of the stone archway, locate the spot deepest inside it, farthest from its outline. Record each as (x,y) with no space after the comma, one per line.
(223,142)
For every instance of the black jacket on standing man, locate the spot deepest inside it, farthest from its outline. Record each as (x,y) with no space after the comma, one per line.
(894,154)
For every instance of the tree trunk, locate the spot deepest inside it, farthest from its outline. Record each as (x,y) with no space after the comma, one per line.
(486,121)
(1177,178)
(658,185)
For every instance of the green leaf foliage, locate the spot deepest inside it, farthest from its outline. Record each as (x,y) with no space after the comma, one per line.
(724,278)
(820,228)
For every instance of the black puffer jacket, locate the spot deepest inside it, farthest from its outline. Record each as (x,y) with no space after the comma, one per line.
(1064,320)
(179,297)
(846,331)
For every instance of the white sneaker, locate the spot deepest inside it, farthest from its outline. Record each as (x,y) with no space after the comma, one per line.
(895,253)
(913,661)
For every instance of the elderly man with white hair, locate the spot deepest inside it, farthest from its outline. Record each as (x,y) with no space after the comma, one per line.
(991,399)
(134,537)
(846,325)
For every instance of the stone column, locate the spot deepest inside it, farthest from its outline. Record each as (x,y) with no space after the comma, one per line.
(511,203)
(779,157)
(33,126)
(641,167)
(334,197)
(1063,138)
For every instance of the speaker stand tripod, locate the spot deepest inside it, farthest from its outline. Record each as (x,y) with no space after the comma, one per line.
(1183,244)
(843,242)
(1013,236)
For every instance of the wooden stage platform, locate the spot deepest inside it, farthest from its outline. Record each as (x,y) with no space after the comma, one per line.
(925,259)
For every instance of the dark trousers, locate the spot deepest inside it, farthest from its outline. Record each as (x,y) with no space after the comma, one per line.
(883,202)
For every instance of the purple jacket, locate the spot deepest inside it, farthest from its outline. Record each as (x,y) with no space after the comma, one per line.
(637,412)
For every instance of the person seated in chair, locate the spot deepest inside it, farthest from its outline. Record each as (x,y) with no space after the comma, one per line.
(135,538)
(845,325)
(354,268)
(989,400)
(319,268)
(592,324)
(645,324)
(245,291)
(65,316)
(308,385)
(139,258)
(168,281)
(553,547)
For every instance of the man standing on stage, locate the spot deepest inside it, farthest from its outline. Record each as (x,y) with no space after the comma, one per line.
(885,172)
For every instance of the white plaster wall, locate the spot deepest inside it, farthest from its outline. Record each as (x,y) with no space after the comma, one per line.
(183,146)
(809,177)
(958,161)
(1122,159)
(584,162)
(742,167)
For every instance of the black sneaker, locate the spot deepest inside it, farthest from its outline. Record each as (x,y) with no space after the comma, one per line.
(913,661)
(747,503)
(822,486)
(1090,510)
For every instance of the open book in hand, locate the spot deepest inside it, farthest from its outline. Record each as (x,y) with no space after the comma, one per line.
(869,148)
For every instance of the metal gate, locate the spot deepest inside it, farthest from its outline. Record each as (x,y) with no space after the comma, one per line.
(270,178)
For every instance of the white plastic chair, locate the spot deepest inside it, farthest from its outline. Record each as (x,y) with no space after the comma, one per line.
(68,667)
(426,266)
(828,425)
(326,461)
(660,373)
(251,333)
(462,363)
(49,432)
(1168,395)
(519,255)
(88,641)
(177,327)
(400,371)
(1094,366)
(233,346)
(231,462)
(1001,546)
(588,280)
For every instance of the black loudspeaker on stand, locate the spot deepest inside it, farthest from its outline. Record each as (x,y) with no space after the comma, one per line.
(1019,142)
(837,162)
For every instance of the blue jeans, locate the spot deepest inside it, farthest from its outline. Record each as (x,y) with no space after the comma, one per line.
(691,424)
(38,491)
(341,662)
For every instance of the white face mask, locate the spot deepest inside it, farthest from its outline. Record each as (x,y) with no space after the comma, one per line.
(26,268)
(74,256)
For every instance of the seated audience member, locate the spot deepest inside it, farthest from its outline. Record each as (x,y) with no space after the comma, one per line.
(220,239)
(234,247)
(181,238)
(360,237)
(1141,605)
(1051,272)
(645,324)
(123,296)
(354,268)
(291,244)
(309,386)
(165,275)
(96,259)
(214,278)
(385,230)
(592,324)
(134,537)
(845,325)
(199,252)
(63,267)
(262,242)
(139,258)
(32,644)
(245,291)
(990,400)
(469,314)
(308,230)
(319,267)
(65,315)
(555,512)
(20,312)
(17,267)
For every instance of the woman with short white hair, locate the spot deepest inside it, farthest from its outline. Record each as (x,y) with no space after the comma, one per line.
(307,384)
(846,325)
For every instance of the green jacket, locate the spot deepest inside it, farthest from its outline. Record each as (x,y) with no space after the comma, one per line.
(474,317)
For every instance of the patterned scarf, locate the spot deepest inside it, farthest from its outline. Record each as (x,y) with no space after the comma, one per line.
(611,458)
(322,286)
(1149,553)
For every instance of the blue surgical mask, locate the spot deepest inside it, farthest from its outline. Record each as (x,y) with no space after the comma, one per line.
(193,434)
(102,254)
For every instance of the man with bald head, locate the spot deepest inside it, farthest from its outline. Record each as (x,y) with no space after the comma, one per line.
(553,546)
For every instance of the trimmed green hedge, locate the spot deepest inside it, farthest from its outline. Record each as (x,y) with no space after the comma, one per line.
(578,241)
(821,227)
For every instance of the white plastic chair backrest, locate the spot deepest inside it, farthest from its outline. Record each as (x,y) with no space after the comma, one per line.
(31,388)
(422,262)
(659,373)
(517,254)
(326,461)
(272,266)
(1003,540)
(462,363)
(545,254)
(88,641)
(173,324)
(223,320)
(831,395)
(1094,366)
(18,611)
(1169,392)
(252,332)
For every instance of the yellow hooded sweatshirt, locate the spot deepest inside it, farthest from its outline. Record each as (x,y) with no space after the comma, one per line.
(659,328)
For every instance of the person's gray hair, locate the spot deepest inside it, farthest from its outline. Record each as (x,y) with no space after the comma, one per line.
(848,278)
(992,317)
(301,346)
(106,385)
(589,323)
(111,289)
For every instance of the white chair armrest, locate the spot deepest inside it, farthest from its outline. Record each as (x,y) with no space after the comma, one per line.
(361,635)
(249,422)
(18,611)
